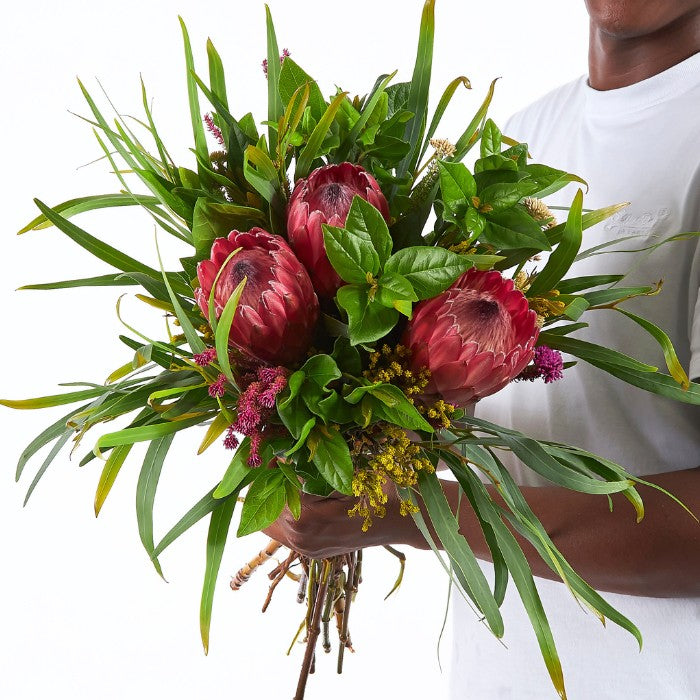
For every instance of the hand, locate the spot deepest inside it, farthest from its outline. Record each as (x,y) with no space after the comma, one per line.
(324,528)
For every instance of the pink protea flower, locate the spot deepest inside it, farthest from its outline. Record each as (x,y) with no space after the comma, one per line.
(325,198)
(278,309)
(474,337)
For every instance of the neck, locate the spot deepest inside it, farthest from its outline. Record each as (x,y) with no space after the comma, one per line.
(618,61)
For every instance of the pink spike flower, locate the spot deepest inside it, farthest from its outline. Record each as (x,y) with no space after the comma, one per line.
(475,337)
(277,312)
(325,198)
(255,406)
(547,364)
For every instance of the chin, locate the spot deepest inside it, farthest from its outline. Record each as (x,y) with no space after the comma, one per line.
(627,19)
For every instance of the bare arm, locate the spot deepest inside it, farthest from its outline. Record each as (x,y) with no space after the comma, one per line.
(658,557)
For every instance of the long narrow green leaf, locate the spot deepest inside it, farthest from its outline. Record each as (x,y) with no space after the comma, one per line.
(440,110)
(54,400)
(43,439)
(146,493)
(109,474)
(527,523)
(217,77)
(274,101)
(72,207)
(60,443)
(460,552)
(469,135)
(145,433)
(420,85)
(310,150)
(561,259)
(236,471)
(200,140)
(595,354)
(193,339)
(522,578)
(203,507)
(168,165)
(162,218)
(223,330)
(675,368)
(219,525)
(93,245)
(364,117)
(117,280)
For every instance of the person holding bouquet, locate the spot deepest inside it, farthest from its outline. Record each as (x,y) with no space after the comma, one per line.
(630,129)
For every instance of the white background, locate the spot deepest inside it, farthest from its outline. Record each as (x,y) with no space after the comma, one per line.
(82,613)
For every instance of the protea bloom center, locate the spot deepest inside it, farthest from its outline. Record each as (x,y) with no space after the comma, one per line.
(278,309)
(474,337)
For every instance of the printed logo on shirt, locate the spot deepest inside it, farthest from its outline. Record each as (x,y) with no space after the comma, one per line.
(627,223)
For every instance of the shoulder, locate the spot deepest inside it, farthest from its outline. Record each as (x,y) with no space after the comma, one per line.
(550,109)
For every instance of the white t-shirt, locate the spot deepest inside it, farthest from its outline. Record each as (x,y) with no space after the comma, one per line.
(638,144)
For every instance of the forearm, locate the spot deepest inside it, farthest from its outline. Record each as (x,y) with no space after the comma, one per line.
(660,556)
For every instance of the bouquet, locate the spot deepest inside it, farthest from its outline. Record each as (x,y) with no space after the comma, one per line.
(351,289)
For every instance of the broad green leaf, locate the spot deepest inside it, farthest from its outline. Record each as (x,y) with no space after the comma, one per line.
(352,254)
(146,492)
(490,139)
(260,172)
(393,406)
(306,429)
(395,291)
(292,77)
(367,321)
(429,270)
(331,455)
(505,195)
(512,229)
(459,551)
(564,254)
(549,180)
(109,474)
(457,186)
(321,369)
(367,222)
(263,502)
(219,525)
